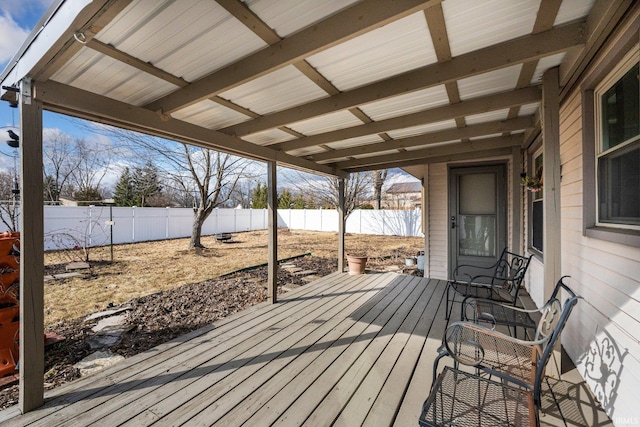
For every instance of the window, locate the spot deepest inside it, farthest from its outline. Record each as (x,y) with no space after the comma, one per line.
(537,207)
(617,135)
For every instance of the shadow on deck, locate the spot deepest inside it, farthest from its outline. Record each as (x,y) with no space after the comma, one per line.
(344,350)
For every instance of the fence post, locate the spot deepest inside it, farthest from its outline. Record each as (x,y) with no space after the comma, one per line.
(90,225)
(133,223)
(166,233)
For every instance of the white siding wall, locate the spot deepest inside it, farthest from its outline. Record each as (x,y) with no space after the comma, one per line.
(438,222)
(606,275)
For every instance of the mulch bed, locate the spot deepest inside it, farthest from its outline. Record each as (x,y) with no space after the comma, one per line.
(163,316)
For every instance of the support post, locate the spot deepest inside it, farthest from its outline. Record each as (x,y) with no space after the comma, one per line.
(341,224)
(551,179)
(551,238)
(516,209)
(425,221)
(31,253)
(272,201)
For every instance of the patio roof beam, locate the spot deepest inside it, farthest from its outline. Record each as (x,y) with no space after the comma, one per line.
(447,158)
(76,102)
(470,131)
(484,60)
(447,112)
(348,24)
(456,148)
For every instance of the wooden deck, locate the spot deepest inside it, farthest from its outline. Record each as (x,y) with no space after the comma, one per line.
(344,350)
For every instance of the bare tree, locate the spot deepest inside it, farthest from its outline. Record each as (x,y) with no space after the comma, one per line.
(91,164)
(379,176)
(59,162)
(9,204)
(326,190)
(207,176)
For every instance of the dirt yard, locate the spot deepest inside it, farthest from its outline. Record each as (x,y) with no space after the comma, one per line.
(146,268)
(171,290)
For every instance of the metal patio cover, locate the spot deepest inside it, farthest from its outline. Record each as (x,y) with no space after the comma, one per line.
(332,86)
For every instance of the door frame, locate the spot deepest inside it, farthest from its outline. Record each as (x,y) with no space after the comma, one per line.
(502,217)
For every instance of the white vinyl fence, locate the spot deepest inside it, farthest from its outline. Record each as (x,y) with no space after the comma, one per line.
(69,226)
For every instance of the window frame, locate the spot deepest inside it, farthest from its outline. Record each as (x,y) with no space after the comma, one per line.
(631,59)
(536,197)
(619,47)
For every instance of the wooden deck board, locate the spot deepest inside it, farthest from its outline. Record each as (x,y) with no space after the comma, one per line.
(343,350)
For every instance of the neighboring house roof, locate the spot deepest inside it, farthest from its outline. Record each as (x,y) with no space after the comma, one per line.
(405,187)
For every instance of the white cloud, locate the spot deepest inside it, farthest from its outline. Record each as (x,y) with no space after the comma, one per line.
(11,37)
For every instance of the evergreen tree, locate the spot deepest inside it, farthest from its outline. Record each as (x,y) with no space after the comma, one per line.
(259,197)
(285,199)
(146,184)
(299,201)
(124,194)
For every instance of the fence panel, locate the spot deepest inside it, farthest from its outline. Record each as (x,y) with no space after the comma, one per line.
(69,226)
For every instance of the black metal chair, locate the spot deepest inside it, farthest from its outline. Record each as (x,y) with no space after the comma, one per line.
(499,282)
(513,399)
(493,313)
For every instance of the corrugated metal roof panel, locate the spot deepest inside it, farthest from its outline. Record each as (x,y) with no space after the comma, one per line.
(407,103)
(307,151)
(377,153)
(473,24)
(544,64)
(287,17)
(495,81)
(112,78)
(328,122)
(422,129)
(210,115)
(281,89)
(270,136)
(396,48)
(437,144)
(529,109)
(493,135)
(355,142)
(487,117)
(155,32)
(573,9)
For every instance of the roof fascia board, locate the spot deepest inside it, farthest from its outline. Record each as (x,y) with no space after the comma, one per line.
(491,58)
(73,101)
(447,150)
(43,39)
(603,19)
(447,112)
(346,25)
(470,131)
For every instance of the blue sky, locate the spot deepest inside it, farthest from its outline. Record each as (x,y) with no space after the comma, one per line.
(17,19)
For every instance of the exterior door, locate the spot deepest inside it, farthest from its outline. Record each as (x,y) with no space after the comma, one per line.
(477,215)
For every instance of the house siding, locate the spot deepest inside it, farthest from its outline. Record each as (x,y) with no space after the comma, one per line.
(438,224)
(607,276)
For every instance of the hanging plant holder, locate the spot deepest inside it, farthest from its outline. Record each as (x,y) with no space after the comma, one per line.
(532,183)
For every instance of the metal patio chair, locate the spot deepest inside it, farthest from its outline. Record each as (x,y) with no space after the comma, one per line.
(493,313)
(499,282)
(511,393)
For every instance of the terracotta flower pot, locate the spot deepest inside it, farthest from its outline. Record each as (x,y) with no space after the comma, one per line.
(357,264)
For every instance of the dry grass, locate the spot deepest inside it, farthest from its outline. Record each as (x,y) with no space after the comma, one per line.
(145,268)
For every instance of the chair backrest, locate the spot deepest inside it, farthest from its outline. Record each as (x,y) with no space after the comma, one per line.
(554,318)
(513,267)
